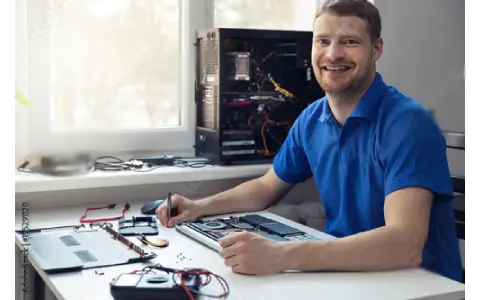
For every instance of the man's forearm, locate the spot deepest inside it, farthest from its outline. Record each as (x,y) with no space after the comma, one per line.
(249,196)
(379,249)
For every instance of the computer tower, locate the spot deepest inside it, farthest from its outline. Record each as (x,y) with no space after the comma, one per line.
(251,85)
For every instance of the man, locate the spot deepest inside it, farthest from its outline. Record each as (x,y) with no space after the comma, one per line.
(377,157)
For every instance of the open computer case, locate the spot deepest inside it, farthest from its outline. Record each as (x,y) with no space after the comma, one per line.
(251,85)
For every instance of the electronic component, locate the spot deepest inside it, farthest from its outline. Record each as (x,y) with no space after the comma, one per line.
(151,286)
(238,65)
(174,284)
(216,229)
(270,225)
(160,243)
(138,226)
(251,85)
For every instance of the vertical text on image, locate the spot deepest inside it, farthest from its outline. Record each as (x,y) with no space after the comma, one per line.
(25,234)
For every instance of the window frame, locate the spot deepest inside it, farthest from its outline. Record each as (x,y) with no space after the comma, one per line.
(43,141)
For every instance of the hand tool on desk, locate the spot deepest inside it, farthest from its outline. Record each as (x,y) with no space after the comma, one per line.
(169,204)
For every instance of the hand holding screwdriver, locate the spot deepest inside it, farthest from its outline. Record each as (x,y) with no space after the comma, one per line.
(181,210)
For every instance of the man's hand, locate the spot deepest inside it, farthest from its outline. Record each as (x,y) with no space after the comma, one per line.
(251,253)
(187,209)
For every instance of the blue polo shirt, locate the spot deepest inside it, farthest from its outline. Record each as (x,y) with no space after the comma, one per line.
(388,143)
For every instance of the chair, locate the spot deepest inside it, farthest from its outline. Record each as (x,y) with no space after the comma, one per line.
(456,140)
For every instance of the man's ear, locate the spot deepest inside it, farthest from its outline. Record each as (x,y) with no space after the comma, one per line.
(377,49)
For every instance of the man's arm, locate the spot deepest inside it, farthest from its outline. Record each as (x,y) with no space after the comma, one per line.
(398,244)
(415,169)
(253,195)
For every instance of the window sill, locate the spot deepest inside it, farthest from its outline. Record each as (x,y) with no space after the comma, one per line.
(26,182)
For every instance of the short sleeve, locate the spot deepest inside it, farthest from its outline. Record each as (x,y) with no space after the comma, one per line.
(291,163)
(414,154)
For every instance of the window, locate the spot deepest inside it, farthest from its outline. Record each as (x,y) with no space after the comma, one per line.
(115,65)
(110,76)
(266,14)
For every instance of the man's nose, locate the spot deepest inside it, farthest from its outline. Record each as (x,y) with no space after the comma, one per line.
(334,52)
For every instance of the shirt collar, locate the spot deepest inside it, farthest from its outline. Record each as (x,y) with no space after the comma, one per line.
(367,106)
(326,111)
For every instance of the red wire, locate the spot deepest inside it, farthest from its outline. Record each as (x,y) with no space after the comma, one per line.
(82,218)
(266,116)
(221,283)
(201,272)
(190,296)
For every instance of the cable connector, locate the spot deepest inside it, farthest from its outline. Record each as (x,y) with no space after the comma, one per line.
(134,163)
(112,206)
(127,206)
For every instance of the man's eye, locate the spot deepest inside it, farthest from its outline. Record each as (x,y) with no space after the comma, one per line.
(322,41)
(351,42)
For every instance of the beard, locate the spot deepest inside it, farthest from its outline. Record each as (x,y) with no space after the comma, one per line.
(345,84)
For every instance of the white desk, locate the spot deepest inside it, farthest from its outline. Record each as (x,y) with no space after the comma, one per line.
(405,284)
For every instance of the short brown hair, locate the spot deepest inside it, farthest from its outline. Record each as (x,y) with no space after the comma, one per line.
(359,8)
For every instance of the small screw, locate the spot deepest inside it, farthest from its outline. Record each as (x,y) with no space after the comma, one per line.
(99,272)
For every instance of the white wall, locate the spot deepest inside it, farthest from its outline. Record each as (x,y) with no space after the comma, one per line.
(424,56)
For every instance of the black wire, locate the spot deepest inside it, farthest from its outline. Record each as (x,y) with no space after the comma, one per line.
(208,274)
(118,160)
(116,165)
(192,163)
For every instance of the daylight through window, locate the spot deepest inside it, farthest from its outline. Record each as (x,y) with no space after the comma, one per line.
(266,14)
(115,65)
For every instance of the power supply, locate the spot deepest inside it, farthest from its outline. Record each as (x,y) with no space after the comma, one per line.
(251,85)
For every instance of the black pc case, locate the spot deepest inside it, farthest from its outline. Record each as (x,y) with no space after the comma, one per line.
(251,85)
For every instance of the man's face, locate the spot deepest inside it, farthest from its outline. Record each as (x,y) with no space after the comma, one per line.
(343,54)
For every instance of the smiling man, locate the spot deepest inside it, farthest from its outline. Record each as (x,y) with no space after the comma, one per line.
(378,160)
